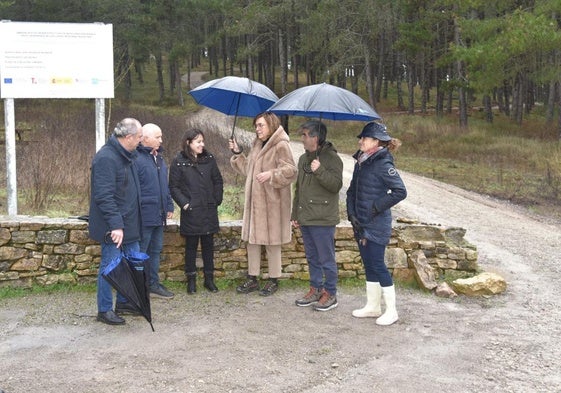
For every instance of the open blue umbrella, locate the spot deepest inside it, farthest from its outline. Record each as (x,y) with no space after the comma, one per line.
(326,102)
(233,95)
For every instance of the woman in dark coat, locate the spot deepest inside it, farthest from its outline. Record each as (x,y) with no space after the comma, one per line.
(196,186)
(375,187)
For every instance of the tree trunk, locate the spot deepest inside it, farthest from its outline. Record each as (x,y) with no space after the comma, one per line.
(380,69)
(551,99)
(558,93)
(160,75)
(368,74)
(488,108)
(296,68)
(424,88)
(398,80)
(180,98)
(283,59)
(462,96)
(411,87)
(172,66)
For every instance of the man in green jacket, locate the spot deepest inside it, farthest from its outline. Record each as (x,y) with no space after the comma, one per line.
(315,210)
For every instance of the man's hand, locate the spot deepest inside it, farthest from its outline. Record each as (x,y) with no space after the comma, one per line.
(356,225)
(314,165)
(117,236)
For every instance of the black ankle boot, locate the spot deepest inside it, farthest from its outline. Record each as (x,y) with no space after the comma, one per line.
(209,283)
(191,283)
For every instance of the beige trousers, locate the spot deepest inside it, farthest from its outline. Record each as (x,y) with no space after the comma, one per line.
(273,259)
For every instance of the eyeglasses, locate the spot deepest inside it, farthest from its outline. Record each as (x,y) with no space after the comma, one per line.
(260,125)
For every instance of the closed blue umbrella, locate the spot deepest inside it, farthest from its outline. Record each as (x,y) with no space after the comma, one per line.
(233,95)
(325,101)
(128,275)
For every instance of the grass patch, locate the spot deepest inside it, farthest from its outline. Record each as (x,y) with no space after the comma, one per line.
(9,293)
(224,284)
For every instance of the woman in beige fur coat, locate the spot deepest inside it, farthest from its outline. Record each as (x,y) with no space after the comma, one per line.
(270,170)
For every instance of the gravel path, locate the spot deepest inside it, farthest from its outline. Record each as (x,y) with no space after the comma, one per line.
(226,342)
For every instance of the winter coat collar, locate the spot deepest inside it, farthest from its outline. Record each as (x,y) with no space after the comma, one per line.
(278,136)
(147,149)
(114,143)
(382,153)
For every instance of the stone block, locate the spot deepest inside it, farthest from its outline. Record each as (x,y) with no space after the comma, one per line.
(404,276)
(346,256)
(27,264)
(425,274)
(19,237)
(395,258)
(69,248)
(11,253)
(446,263)
(80,237)
(5,236)
(483,284)
(51,237)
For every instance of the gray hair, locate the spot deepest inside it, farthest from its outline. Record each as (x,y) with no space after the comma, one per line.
(315,128)
(128,126)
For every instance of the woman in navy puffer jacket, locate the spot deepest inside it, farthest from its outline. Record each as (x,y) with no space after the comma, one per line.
(375,187)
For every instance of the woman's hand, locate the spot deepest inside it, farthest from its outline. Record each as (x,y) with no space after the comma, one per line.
(234,147)
(263,176)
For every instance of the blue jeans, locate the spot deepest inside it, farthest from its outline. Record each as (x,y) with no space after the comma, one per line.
(319,245)
(109,251)
(152,244)
(372,255)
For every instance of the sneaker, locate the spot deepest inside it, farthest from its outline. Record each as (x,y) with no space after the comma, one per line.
(126,308)
(312,297)
(249,286)
(160,290)
(326,302)
(269,288)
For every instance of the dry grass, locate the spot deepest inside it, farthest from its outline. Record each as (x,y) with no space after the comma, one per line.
(520,164)
(53,163)
(501,160)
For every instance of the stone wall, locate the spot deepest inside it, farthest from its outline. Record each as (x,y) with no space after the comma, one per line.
(43,251)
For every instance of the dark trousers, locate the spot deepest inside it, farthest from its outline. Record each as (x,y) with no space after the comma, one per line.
(320,253)
(374,265)
(207,251)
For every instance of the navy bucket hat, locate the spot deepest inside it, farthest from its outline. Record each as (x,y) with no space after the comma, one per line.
(375,130)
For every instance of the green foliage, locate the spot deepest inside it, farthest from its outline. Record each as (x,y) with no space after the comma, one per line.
(232,205)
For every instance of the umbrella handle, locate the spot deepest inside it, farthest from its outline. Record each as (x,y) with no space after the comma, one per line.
(239,147)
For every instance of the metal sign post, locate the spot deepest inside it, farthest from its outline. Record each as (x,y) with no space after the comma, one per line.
(11,186)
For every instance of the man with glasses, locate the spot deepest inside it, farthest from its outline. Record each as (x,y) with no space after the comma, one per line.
(315,210)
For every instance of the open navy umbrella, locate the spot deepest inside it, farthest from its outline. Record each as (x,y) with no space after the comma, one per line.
(128,275)
(326,102)
(233,95)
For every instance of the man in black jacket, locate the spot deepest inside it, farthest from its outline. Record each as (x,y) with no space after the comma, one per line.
(156,203)
(114,218)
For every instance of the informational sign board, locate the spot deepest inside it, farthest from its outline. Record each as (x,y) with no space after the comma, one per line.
(56,60)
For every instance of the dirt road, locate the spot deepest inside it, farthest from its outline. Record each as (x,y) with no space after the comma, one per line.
(227,342)
(238,343)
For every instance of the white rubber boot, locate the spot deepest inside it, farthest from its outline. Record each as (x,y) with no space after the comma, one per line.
(373,298)
(390,315)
